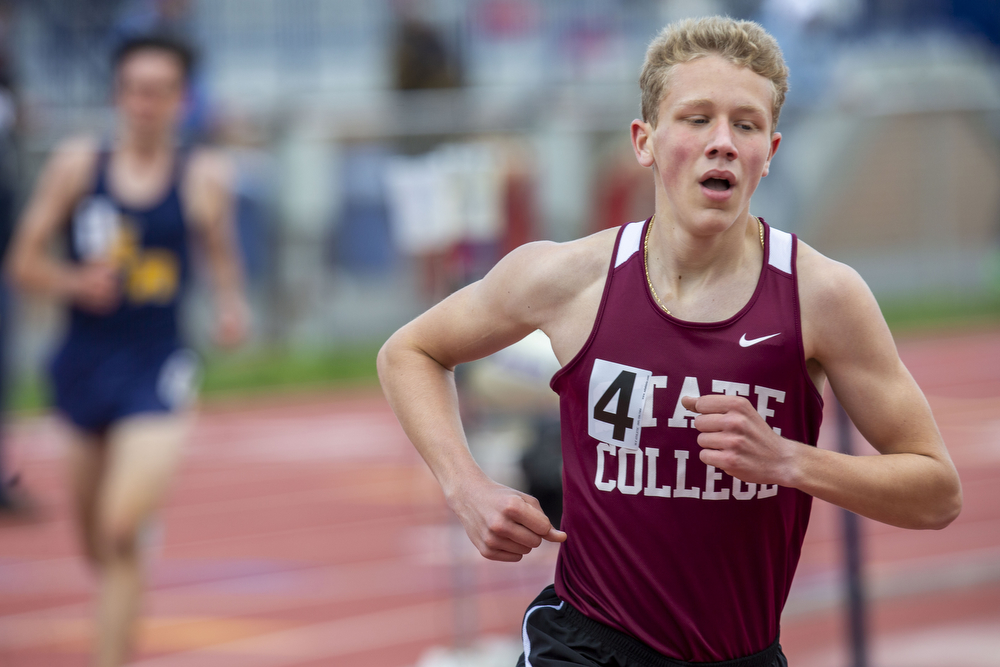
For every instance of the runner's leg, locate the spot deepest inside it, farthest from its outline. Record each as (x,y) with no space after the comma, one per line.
(85,462)
(143,453)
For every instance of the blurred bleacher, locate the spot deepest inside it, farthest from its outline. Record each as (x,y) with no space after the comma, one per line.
(890,159)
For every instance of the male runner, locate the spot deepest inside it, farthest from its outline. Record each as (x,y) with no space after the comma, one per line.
(122,378)
(695,348)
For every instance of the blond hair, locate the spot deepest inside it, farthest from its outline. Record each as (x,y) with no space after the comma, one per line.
(743,43)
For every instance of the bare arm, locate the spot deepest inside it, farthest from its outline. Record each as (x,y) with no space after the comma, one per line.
(31,264)
(209,205)
(912,483)
(527,290)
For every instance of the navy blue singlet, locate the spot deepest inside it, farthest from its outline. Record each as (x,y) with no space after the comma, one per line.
(130,360)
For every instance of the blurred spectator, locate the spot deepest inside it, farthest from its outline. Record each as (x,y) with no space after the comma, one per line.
(245,143)
(160,16)
(421,56)
(507,18)
(520,225)
(623,191)
(11,497)
(809,32)
(446,209)
(362,241)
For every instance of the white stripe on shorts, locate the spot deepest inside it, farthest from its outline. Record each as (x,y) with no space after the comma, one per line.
(524,629)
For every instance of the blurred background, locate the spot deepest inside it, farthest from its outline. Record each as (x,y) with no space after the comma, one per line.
(389,152)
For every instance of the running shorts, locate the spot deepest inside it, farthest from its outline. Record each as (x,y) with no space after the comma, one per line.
(554,633)
(95,386)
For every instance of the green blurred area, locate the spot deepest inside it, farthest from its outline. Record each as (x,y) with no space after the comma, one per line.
(940,313)
(276,371)
(281,370)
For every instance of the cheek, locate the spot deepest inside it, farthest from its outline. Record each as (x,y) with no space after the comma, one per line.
(674,159)
(756,156)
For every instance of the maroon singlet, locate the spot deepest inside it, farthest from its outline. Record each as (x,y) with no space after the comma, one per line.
(682,556)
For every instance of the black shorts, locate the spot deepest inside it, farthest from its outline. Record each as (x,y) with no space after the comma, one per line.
(555,633)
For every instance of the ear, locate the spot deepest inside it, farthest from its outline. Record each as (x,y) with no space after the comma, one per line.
(642,142)
(775,142)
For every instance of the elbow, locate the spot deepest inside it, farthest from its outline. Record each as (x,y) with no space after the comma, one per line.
(14,272)
(398,358)
(19,270)
(383,362)
(388,359)
(947,506)
(947,510)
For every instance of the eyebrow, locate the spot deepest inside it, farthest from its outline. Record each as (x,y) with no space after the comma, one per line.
(746,108)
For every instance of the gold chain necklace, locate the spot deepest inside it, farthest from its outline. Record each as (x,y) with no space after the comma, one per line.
(645,257)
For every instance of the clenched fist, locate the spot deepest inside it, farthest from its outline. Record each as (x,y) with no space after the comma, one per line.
(736,439)
(503,523)
(96,287)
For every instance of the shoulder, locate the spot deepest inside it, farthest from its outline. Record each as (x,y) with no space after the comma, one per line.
(559,268)
(826,283)
(538,283)
(206,185)
(73,162)
(208,166)
(569,261)
(837,307)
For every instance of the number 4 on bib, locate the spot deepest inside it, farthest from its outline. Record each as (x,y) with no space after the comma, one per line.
(615,403)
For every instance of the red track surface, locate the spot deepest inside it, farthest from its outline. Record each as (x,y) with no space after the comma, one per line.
(307,532)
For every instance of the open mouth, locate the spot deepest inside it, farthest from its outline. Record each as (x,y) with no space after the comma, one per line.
(717,184)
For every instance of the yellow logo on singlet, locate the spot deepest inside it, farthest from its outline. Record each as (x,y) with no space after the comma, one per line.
(102,234)
(152,274)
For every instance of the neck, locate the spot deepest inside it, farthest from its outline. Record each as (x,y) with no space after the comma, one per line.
(145,145)
(692,251)
(687,264)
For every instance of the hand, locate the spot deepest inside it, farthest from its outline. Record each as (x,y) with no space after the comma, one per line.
(736,439)
(96,287)
(232,324)
(503,523)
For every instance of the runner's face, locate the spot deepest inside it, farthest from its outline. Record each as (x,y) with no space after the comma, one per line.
(712,143)
(150,91)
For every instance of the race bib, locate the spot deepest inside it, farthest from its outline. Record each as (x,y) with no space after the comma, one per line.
(615,403)
(95,228)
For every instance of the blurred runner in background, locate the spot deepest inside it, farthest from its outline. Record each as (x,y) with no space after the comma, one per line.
(122,378)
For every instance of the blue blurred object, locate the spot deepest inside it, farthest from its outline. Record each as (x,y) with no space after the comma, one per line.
(980,16)
(361,241)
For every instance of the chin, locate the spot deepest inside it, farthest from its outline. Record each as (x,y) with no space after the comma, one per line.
(150,128)
(714,221)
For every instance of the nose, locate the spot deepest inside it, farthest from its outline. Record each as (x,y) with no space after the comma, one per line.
(721,144)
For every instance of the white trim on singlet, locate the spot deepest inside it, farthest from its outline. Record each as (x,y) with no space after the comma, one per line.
(629,245)
(524,628)
(780,256)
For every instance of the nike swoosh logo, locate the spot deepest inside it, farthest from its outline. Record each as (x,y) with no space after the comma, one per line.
(753,341)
